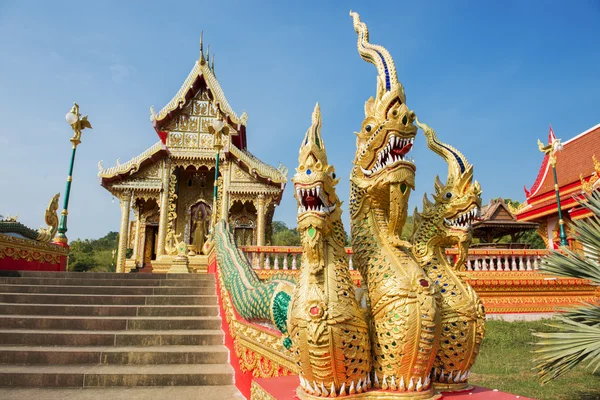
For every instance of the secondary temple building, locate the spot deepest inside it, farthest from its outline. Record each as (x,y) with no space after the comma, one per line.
(578,171)
(169,187)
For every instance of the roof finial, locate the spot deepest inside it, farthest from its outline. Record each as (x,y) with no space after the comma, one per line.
(208,55)
(213,64)
(201,48)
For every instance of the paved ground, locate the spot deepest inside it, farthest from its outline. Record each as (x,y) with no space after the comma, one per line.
(136,393)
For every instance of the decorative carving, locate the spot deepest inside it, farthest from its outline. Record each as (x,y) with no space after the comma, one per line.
(51,218)
(447,222)
(171,240)
(30,250)
(403,300)
(327,327)
(589,185)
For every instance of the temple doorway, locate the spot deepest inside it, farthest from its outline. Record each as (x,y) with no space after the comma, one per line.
(150,244)
(200,214)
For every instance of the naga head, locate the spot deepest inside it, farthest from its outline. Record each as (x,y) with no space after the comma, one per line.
(314,183)
(457,203)
(387,132)
(382,166)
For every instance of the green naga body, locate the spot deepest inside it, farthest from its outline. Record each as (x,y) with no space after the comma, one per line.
(441,224)
(327,327)
(253,299)
(403,300)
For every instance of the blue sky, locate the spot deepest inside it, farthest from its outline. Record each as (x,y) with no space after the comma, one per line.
(488,76)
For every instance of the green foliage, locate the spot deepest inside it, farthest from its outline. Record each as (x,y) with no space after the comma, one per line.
(93,255)
(284,236)
(578,337)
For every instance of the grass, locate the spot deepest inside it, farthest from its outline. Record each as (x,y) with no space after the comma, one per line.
(505,363)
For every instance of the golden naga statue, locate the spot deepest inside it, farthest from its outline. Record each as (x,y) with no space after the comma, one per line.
(444,223)
(326,325)
(404,302)
(51,219)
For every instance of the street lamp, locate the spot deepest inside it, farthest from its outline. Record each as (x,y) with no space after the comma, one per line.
(551,150)
(78,124)
(218,129)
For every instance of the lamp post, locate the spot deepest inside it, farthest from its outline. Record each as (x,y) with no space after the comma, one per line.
(78,124)
(218,129)
(551,150)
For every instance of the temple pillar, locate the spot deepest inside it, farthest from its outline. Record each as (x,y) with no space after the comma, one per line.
(136,240)
(164,212)
(225,200)
(125,200)
(260,220)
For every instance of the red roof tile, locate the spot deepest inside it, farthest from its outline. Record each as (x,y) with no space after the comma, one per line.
(574,159)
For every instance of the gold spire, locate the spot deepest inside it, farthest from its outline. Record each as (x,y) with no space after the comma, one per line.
(208,55)
(312,150)
(202,60)
(213,64)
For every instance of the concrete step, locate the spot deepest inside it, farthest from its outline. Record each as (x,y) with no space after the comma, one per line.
(52,298)
(84,281)
(108,310)
(103,275)
(95,323)
(108,290)
(212,354)
(182,337)
(226,392)
(116,375)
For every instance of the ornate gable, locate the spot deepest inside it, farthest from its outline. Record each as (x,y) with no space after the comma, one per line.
(189,127)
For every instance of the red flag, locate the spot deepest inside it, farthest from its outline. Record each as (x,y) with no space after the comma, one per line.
(551,137)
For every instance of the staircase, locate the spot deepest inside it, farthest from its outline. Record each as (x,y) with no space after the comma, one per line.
(105,335)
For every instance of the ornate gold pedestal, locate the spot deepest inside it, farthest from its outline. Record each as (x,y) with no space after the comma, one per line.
(180,265)
(429,394)
(452,387)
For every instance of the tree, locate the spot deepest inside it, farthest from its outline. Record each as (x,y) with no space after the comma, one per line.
(284,236)
(93,255)
(578,336)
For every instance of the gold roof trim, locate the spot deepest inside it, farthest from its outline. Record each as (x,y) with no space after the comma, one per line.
(278,175)
(200,69)
(130,166)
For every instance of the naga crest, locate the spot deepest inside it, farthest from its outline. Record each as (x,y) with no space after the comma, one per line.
(314,183)
(388,132)
(382,167)
(51,219)
(457,203)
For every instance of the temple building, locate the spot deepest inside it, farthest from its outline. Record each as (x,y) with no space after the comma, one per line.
(169,187)
(577,170)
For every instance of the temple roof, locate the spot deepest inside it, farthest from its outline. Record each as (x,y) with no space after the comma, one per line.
(200,82)
(201,75)
(498,220)
(132,165)
(573,161)
(243,158)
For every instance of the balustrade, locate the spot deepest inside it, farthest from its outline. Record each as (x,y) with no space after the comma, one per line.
(290,258)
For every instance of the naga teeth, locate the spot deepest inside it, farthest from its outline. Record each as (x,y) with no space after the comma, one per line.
(401,385)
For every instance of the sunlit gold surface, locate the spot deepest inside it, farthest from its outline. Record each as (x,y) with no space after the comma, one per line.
(51,218)
(442,223)
(404,303)
(328,330)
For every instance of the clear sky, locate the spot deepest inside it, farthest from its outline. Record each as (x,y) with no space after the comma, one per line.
(489,76)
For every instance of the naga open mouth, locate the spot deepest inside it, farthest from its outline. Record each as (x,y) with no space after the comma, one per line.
(464,220)
(395,151)
(313,199)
